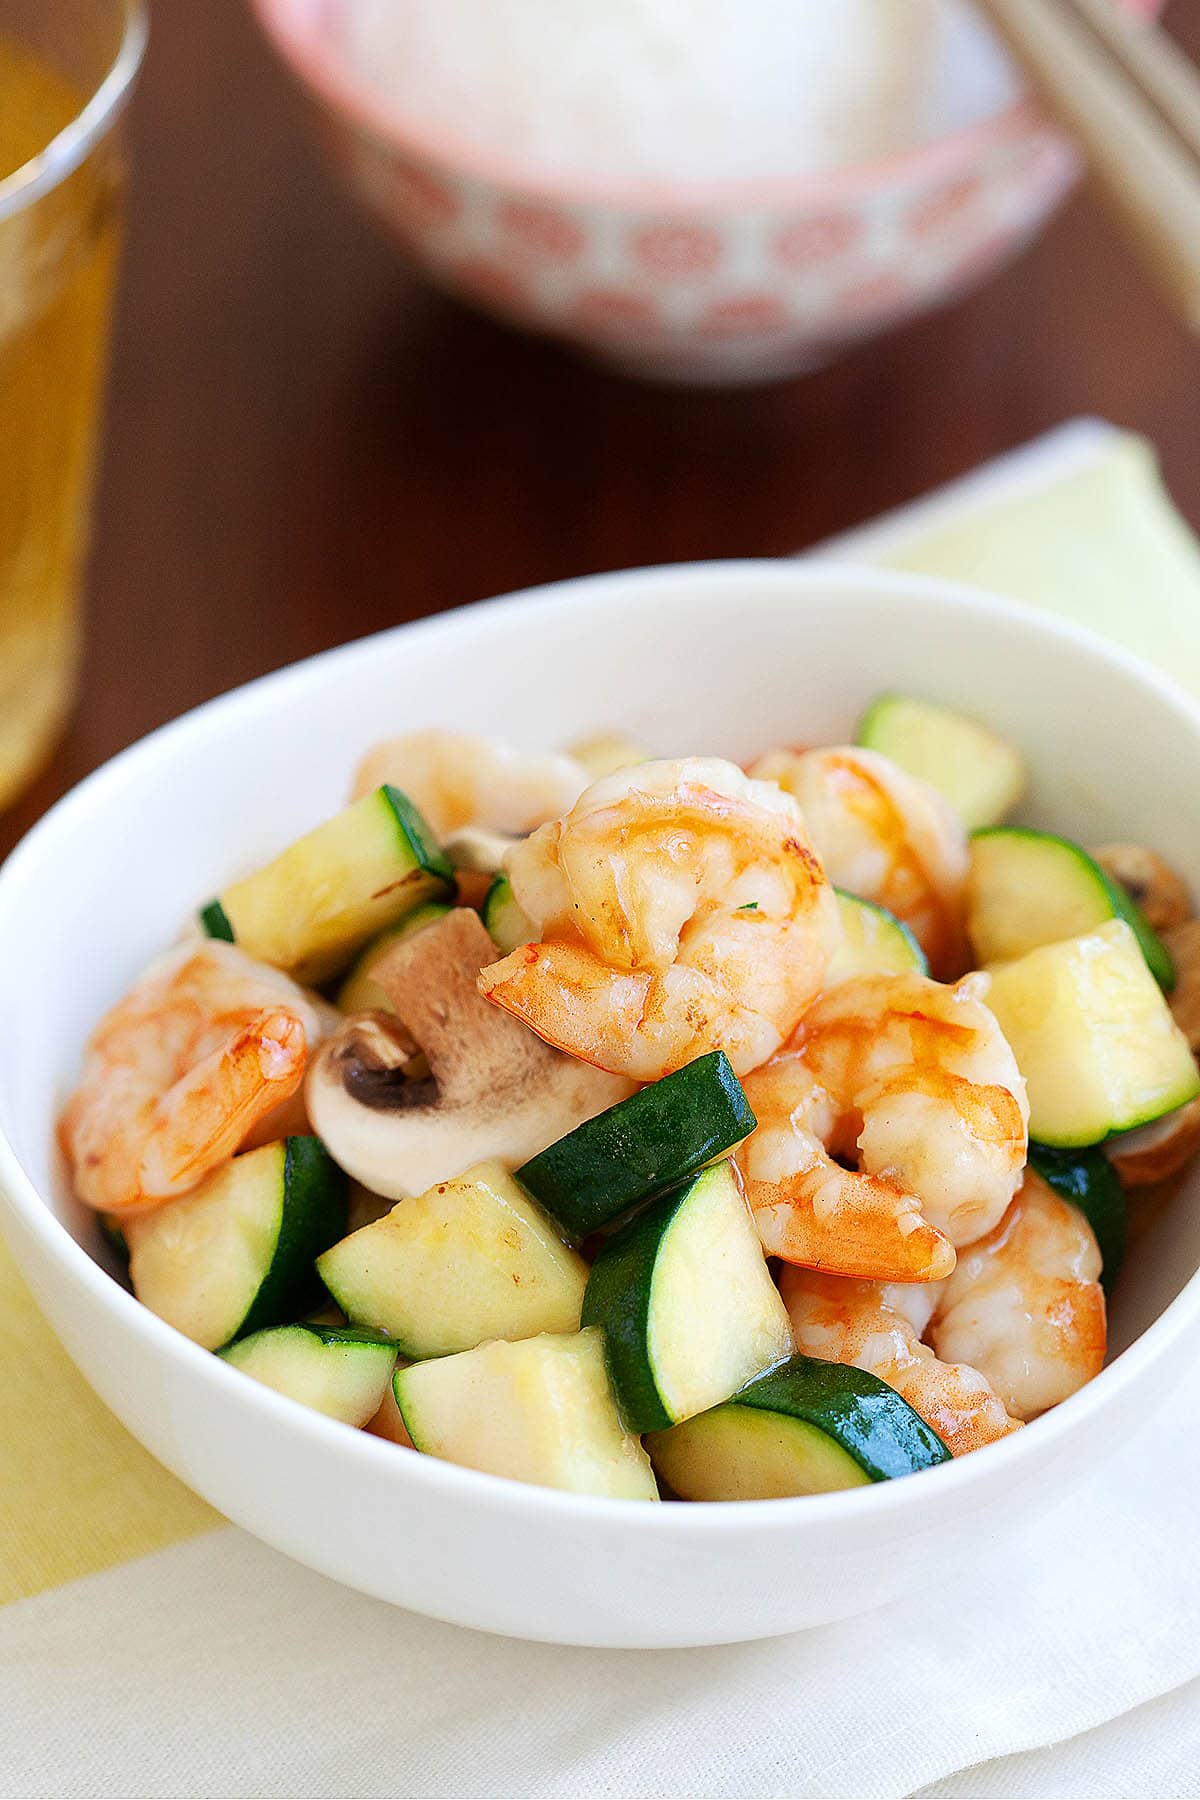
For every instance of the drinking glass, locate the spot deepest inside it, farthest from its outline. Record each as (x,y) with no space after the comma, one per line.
(66,71)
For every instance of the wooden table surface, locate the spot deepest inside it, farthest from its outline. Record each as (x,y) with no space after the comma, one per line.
(305,444)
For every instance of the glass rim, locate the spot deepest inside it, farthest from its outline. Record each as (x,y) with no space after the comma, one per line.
(72,145)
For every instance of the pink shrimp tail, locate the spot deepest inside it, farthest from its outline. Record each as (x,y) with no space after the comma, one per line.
(204,1119)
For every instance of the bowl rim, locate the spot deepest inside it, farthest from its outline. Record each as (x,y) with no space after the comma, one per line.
(898,1501)
(299,31)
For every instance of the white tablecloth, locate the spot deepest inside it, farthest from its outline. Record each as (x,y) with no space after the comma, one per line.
(147,1661)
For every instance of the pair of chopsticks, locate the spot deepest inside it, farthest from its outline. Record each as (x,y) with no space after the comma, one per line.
(1131,99)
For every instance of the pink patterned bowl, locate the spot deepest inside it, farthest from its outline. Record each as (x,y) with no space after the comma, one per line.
(715,283)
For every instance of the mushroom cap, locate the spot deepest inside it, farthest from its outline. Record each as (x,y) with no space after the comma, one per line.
(1159,1150)
(1149,881)
(494,1089)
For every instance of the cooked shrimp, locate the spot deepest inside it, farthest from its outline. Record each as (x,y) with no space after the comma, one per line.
(1025,1306)
(919,1082)
(886,836)
(456,779)
(680,908)
(854,1322)
(810,1210)
(204,1047)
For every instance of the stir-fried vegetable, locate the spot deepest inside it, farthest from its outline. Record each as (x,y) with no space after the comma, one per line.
(572,1224)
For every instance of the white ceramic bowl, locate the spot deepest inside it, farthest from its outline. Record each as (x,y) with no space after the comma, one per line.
(716,282)
(727,657)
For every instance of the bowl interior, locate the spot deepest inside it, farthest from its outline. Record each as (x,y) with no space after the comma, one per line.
(728,659)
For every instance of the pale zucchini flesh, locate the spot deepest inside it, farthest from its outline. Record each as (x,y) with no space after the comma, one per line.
(735,1453)
(1028,888)
(360,992)
(469,1260)
(237,1253)
(687,1304)
(808,1427)
(1092,1036)
(874,942)
(540,1411)
(334,1369)
(312,908)
(507,924)
(976,770)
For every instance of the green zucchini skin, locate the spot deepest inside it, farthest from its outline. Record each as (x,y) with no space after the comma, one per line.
(337,1370)
(312,908)
(868,1419)
(1088,1180)
(807,1427)
(113,1235)
(641,1147)
(503,917)
(358,992)
(1078,866)
(236,1254)
(686,1302)
(314,1214)
(618,1299)
(1158,957)
(427,853)
(900,949)
(215,922)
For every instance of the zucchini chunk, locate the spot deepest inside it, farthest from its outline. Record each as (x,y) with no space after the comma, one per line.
(310,909)
(807,1428)
(507,925)
(689,1310)
(1093,1037)
(471,1259)
(359,992)
(112,1230)
(874,942)
(1028,888)
(237,1253)
(335,1369)
(1088,1180)
(641,1147)
(978,772)
(540,1411)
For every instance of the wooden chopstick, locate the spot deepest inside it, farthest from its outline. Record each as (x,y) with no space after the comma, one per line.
(1131,99)
(1166,77)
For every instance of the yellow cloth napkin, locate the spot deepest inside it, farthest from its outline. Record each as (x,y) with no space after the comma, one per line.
(1077,523)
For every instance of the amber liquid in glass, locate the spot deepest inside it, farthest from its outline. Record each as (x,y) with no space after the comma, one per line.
(56,265)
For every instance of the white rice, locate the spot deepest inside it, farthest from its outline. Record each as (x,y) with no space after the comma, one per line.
(679,91)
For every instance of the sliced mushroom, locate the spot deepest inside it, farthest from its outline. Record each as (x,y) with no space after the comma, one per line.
(1150,882)
(1157,1151)
(494,1089)
(1183,942)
